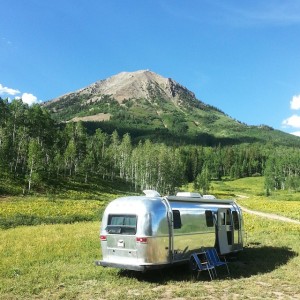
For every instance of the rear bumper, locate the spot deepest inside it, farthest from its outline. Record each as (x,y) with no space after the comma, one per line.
(141,268)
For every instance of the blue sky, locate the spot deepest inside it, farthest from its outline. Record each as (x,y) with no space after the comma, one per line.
(242,57)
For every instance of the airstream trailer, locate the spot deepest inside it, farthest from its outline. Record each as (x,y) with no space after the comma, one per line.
(148,232)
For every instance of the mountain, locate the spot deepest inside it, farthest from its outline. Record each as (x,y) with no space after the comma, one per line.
(137,85)
(150,106)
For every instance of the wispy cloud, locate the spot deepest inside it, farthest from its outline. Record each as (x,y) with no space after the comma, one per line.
(6,41)
(238,13)
(7,44)
(272,12)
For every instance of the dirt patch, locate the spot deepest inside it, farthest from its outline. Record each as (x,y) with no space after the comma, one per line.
(242,196)
(4,198)
(269,216)
(96,118)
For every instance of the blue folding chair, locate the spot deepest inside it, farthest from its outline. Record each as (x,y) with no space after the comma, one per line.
(215,260)
(200,262)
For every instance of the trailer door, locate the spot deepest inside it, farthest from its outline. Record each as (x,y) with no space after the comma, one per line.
(225,230)
(170,220)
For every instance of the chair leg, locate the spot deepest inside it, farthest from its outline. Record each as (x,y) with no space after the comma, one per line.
(210,274)
(215,269)
(227,269)
(226,266)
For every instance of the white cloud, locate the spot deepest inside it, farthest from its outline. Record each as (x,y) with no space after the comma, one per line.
(8,91)
(293,121)
(29,99)
(295,102)
(26,97)
(297,133)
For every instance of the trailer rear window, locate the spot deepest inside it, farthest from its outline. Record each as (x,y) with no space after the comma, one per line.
(121,224)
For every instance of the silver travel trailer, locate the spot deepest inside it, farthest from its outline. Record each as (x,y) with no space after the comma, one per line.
(149,232)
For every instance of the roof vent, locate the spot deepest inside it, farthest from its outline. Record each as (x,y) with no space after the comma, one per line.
(209,197)
(151,193)
(188,194)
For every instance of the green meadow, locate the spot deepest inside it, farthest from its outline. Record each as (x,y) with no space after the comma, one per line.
(47,260)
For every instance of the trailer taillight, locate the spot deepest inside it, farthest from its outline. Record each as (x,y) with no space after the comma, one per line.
(142,240)
(103,238)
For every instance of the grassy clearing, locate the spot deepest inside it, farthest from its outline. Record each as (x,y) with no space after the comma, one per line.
(56,262)
(290,209)
(249,193)
(33,211)
(71,202)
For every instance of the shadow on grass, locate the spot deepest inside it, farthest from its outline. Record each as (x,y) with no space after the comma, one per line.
(255,260)
(94,185)
(251,261)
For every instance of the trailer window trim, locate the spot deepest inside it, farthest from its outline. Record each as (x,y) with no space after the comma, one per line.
(176,219)
(121,224)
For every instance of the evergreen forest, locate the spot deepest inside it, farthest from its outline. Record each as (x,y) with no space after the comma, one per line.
(39,153)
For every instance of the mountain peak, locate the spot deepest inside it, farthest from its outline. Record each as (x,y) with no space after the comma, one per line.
(135,85)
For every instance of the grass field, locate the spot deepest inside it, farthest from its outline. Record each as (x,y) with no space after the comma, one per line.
(249,193)
(57,262)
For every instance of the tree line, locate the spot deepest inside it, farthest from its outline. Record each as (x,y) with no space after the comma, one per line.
(39,152)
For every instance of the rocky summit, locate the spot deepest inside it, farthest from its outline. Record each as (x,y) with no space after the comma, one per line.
(143,84)
(122,93)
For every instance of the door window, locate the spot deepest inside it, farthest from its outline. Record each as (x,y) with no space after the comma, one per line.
(222,218)
(236,221)
(228,217)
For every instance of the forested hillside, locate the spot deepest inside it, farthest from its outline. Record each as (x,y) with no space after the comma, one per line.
(38,153)
(148,105)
